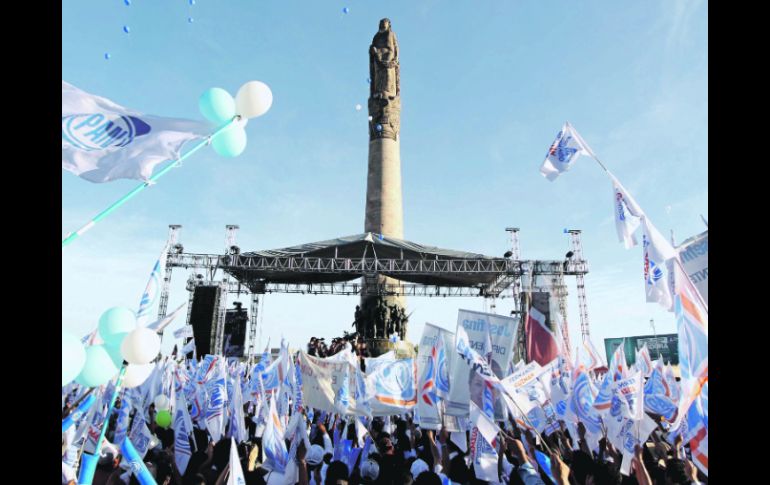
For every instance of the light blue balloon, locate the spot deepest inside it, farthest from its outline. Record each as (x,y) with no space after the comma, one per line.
(107,56)
(116,323)
(216,105)
(73,356)
(114,352)
(345,10)
(98,368)
(190,20)
(127,2)
(126,29)
(192,2)
(231,142)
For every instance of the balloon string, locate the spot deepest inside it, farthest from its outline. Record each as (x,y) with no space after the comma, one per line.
(74,235)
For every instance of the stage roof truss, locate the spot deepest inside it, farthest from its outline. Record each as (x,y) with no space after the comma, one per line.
(314,275)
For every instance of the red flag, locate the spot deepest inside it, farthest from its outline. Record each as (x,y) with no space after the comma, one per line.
(542,345)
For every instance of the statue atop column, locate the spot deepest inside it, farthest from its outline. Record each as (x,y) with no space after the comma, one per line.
(385,84)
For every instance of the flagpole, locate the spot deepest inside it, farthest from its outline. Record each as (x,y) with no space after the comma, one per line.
(74,235)
(526,418)
(600,163)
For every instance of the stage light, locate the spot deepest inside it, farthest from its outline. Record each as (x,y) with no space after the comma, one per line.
(508,254)
(569,255)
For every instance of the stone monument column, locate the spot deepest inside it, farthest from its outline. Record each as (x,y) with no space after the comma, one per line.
(384,207)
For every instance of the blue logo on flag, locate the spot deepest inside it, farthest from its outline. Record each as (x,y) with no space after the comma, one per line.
(560,149)
(97,131)
(655,273)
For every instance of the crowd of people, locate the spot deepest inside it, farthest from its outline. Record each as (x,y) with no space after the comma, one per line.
(400,452)
(317,347)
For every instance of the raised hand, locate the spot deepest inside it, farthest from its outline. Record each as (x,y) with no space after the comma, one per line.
(559,469)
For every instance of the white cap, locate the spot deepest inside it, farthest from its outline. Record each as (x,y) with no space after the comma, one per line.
(315,455)
(418,467)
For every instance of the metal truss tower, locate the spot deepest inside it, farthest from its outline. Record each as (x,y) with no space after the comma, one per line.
(560,292)
(253,326)
(171,244)
(577,256)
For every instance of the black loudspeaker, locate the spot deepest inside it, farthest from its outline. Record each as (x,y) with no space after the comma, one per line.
(236,321)
(202,317)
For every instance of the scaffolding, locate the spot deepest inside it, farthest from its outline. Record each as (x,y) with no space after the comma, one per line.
(252,271)
(577,250)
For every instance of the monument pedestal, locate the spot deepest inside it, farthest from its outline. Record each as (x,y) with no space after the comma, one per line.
(379,346)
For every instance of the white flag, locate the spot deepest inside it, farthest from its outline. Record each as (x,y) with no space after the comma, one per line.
(484,423)
(563,152)
(103,141)
(656,251)
(627,213)
(161,324)
(184,332)
(152,290)
(189,347)
(236,471)
(183,427)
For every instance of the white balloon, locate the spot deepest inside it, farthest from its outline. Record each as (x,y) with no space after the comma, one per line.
(161,402)
(253,99)
(136,375)
(140,346)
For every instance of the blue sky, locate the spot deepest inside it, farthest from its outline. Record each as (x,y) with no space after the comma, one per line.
(485,88)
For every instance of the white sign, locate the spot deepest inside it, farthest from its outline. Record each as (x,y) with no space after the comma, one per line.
(322,381)
(694,253)
(464,386)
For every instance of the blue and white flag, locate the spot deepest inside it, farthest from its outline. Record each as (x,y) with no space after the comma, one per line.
(627,213)
(95,424)
(563,152)
(152,290)
(276,454)
(581,408)
(656,251)
(393,387)
(692,322)
(299,401)
(182,430)
(657,397)
(140,436)
(237,420)
(442,374)
(643,361)
(216,393)
(103,141)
